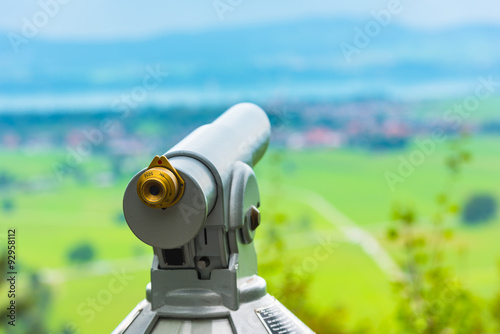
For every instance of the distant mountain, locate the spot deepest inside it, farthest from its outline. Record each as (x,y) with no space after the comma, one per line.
(301,60)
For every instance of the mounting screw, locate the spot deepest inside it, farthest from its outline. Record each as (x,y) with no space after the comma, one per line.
(254,217)
(203,263)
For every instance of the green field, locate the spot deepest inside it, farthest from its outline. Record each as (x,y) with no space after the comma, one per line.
(51,216)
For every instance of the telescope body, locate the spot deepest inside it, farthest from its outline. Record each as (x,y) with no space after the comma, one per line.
(197,206)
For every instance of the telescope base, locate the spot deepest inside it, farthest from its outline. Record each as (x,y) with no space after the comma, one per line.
(262,315)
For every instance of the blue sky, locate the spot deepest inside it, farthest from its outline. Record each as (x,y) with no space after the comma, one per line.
(98,19)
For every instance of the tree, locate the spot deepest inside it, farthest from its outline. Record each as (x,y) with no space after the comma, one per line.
(479,208)
(82,253)
(431,300)
(32,306)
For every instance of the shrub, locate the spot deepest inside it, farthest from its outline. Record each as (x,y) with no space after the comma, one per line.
(82,253)
(479,208)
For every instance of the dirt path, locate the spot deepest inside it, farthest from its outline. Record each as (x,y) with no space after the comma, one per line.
(351,231)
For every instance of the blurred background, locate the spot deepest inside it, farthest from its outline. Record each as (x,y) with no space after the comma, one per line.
(379,191)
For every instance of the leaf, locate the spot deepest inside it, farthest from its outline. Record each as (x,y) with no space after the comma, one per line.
(448,234)
(392,234)
(465,156)
(442,198)
(453,208)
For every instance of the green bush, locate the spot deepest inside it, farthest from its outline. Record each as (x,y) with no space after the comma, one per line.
(81,253)
(479,208)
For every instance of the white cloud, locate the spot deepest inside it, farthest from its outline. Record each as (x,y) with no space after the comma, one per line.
(125,19)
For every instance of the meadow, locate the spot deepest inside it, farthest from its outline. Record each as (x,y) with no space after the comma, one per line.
(52,216)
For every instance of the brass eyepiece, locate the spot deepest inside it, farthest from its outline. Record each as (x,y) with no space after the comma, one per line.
(160,187)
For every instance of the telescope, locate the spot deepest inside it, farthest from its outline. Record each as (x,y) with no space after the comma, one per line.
(198,205)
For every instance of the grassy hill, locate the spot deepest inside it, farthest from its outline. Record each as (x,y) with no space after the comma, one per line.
(52,217)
